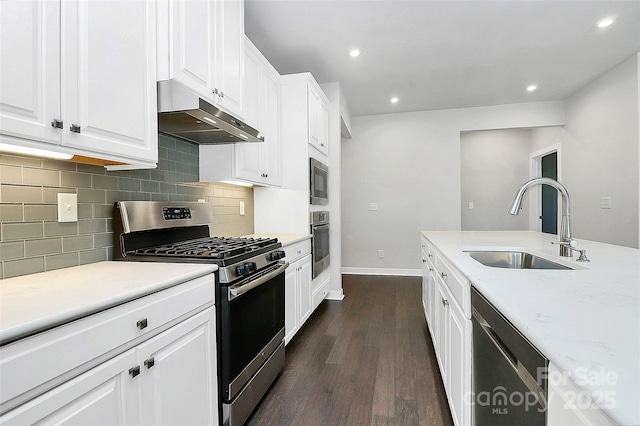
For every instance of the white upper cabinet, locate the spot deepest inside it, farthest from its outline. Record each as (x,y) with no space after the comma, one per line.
(30,70)
(80,75)
(257,163)
(318,120)
(201,44)
(109,90)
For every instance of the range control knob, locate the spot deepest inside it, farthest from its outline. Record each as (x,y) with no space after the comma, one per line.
(246,269)
(276,255)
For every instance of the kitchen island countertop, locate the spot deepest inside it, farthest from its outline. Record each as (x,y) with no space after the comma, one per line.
(33,303)
(586,321)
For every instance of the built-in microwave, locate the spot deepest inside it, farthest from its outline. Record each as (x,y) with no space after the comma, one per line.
(319,186)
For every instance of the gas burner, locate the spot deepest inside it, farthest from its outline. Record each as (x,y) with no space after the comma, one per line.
(210,247)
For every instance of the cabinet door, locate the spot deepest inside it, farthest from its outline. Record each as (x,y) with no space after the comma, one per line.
(456,353)
(314,117)
(229,54)
(104,395)
(187,30)
(442,332)
(304,289)
(178,372)
(323,128)
(270,127)
(30,64)
(109,90)
(290,301)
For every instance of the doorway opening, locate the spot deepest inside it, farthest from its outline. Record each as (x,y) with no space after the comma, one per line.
(544,213)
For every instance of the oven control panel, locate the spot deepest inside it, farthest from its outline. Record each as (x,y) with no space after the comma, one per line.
(172,213)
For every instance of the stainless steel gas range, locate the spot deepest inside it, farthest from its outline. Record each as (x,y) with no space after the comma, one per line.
(249,294)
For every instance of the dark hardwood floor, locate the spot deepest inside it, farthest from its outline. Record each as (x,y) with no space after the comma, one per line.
(367,360)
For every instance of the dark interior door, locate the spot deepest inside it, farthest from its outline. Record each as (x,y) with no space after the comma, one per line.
(550,195)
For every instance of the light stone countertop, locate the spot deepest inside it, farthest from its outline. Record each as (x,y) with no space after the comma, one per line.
(586,321)
(33,303)
(285,239)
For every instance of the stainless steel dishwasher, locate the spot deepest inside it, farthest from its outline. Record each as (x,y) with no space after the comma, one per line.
(509,373)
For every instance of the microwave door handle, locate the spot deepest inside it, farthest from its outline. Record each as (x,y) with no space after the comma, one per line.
(235,291)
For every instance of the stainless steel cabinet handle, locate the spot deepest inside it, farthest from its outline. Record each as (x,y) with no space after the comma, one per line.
(430,256)
(133,372)
(58,124)
(430,269)
(75,128)
(221,94)
(424,260)
(443,275)
(150,362)
(445,302)
(141,324)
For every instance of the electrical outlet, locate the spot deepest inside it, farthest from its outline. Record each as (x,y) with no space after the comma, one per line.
(67,207)
(381,254)
(373,207)
(241,208)
(470,205)
(605,203)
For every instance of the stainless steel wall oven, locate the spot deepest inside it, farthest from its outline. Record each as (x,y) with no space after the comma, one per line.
(249,291)
(320,242)
(319,182)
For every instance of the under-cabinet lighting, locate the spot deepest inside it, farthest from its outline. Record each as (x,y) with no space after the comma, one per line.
(605,22)
(210,120)
(25,150)
(237,182)
(532,88)
(243,136)
(354,53)
(394,100)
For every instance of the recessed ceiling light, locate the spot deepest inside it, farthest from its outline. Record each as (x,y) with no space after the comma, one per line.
(394,100)
(605,22)
(531,88)
(354,52)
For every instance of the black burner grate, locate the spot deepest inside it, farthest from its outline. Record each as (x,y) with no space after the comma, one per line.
(211,248)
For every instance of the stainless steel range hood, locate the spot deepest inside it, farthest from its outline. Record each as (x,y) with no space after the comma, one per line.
(184,114)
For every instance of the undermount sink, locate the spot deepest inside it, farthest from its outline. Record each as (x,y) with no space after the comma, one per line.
(514,260)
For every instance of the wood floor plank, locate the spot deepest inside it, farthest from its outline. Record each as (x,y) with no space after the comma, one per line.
(365,360)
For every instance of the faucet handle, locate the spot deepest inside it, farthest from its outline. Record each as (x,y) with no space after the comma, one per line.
(571,243)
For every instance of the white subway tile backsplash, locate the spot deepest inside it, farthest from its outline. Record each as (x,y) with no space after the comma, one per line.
(33,241)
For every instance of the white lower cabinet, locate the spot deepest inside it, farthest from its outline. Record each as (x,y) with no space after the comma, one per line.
(569,405)
(297,281)
(450,331)
(104,395)
(165,376)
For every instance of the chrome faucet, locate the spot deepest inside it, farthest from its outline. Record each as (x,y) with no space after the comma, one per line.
(567,243)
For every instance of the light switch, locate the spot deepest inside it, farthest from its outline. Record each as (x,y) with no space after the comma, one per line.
(605,203)
(67,207)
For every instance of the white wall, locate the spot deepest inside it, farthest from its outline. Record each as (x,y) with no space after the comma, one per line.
(409,164)
(494,164)
(600,156)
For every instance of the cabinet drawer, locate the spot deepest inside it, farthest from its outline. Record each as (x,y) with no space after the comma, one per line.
(34,364)
(319,293)
(456,285)
(295,251)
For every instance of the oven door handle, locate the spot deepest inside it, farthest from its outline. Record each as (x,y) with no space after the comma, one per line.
(323,226)
(240,289)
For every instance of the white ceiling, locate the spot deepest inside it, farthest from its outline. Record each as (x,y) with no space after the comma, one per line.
(444,54)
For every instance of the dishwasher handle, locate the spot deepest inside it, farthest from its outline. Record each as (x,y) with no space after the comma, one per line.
(524,375)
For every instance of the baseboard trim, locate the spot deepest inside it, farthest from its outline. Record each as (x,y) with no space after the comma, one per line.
(335,295)
(382,271)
